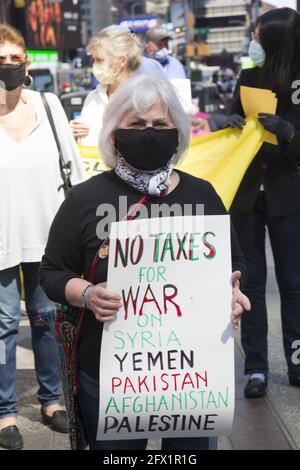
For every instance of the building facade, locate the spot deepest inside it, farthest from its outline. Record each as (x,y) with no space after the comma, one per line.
(225,22)
(95,15)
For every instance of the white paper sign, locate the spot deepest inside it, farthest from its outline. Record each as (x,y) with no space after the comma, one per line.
(167,360)
(184,92)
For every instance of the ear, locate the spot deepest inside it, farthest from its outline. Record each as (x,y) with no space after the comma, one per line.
(123,61)
(28,64)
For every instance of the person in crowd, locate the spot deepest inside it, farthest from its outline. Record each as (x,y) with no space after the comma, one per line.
(117,55)
(30,178)
(145,132)
(157,48)
(269,195)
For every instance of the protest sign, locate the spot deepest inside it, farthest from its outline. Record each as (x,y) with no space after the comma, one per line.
(167,359)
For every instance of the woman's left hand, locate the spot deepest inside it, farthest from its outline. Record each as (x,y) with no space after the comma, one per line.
(240,301)
(273,123)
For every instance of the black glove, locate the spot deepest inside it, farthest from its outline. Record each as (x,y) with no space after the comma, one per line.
(282,129)
(235,120)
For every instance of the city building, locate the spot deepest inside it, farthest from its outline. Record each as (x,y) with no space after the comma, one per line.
(95,15)
(223,24)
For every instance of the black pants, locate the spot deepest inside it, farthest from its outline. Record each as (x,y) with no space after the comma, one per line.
(284,235)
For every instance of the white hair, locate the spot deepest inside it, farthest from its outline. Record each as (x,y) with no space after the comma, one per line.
(139,93)
(117,42)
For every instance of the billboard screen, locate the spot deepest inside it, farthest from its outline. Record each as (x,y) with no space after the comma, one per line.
(53,24)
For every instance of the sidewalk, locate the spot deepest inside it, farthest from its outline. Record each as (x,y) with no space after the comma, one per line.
(268,423)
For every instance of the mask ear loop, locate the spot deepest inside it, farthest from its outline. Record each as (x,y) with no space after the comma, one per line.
(118,154)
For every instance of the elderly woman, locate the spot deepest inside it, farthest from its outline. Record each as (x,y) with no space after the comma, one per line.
(145,131)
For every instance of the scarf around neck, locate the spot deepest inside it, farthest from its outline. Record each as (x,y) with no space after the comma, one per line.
(154,183)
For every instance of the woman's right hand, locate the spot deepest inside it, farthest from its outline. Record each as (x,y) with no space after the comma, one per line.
(236,121)
(79,128)
(103,303)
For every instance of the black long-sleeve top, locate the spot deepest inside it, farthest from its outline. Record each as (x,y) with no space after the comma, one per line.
(275,166)
(73,242)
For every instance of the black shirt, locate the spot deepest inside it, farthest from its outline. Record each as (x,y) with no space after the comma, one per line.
(73,242)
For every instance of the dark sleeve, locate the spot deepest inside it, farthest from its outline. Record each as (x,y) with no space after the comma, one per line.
(237,257)
(291,151)
(63,258)
(236,105)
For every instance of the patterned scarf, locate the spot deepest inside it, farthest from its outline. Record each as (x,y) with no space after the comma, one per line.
(153,183)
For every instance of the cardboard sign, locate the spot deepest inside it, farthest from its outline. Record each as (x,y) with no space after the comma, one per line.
(167,359)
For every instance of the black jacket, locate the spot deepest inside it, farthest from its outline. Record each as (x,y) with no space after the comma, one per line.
(274,166)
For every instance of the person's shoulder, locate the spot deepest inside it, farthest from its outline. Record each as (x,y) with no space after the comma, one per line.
(150,67)
(201,188)
(97,184)
(98,95)
(249,75)
(195,182)
(52,99)
(175,68)
(175,61)
(152,63)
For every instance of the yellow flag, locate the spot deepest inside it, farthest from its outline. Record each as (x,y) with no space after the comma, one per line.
(223,157)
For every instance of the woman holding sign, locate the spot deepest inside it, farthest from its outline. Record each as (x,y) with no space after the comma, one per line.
(269,195)
(145,131)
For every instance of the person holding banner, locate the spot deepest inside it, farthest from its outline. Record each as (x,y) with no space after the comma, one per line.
(269,195)
(145,131)
(30,178)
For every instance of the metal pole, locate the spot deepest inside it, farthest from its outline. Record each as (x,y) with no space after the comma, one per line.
(255,11)
(132,8)
(187,36)
(2,12)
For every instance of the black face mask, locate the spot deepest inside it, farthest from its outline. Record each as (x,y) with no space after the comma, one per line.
(147,149)
(13,76)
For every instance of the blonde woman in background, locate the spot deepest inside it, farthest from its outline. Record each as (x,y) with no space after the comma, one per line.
(117,55)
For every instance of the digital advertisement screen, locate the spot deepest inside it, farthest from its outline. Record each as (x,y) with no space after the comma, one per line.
(53,24)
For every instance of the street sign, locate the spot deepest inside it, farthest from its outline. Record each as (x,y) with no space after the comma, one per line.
(140,24)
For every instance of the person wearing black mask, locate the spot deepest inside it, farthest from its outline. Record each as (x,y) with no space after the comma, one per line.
(145,131)
(269,195)
(29,180)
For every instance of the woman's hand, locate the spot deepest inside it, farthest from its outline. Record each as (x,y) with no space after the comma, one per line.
(240,301)
(272,123)
(103,303)
(235,121)
(79,128)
